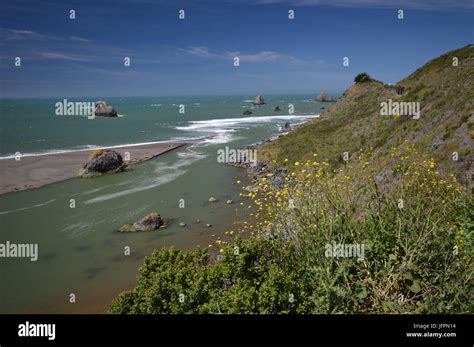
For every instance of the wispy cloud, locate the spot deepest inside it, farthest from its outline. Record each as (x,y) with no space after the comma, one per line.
(122,72)
(62,56)
(259,57)
(7,34)
(402,4)
(13,35)
(202,52)
(264,56)
(78,39)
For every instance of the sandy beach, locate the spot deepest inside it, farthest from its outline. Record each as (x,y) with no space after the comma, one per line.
(36,171)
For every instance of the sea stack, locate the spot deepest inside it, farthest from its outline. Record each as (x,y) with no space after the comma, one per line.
(102,109)
(102,161)
(259,100)
(324,97)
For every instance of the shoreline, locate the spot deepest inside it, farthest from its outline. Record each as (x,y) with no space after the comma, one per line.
(31,172)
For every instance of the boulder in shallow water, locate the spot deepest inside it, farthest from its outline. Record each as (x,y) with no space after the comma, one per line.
(151,222)
(277,109)
(102,161)
(212,199)
(102,109)
(247,113)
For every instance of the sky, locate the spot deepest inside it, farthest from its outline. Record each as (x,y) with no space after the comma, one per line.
(169,56)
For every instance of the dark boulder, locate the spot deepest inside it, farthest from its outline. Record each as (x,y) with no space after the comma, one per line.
(247,113)
(102,109)
(102,161)
(151,222)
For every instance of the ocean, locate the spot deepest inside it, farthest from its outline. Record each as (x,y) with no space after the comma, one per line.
(80,251)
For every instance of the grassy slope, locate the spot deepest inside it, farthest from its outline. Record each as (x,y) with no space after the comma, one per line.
(419,257)
(446,96)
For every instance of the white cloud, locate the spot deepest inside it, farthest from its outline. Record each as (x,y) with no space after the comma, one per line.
(29,35)
(77,38)
(259,57)
(13,34)
(202,52)
(62,56)
(401,4)
(263,56)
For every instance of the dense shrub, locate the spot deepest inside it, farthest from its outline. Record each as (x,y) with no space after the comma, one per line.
(362,77)
(416,226)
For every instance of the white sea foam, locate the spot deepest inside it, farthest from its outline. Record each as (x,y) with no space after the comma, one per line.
(91,147)
(235,123)
(221,137)
(28,207)
(92,191)
(164,173)
(221,130)
(216,131)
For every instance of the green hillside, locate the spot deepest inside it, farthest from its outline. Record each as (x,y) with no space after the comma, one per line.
(446,96)
(386,229)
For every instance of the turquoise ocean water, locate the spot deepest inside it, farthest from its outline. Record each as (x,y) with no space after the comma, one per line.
(79,250)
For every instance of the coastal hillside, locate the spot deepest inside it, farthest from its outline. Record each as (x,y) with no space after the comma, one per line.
(365,210)
(446,124)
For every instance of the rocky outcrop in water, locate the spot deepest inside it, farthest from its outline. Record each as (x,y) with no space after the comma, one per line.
(259,100)
(151,222)
(102,161)
(324,97)
(102,109)
(277,109)
(247,113)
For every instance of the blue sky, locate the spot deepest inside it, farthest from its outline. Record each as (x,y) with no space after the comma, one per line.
(194,56)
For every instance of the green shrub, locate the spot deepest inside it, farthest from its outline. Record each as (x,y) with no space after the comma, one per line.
(447,134)
(362,77)
(417,258)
